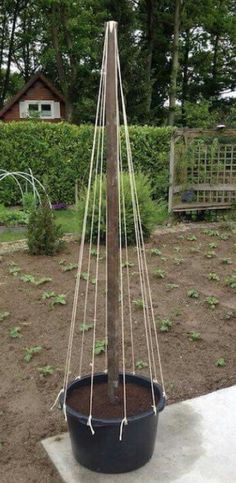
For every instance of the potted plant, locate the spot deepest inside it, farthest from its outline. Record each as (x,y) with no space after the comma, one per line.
(112,416)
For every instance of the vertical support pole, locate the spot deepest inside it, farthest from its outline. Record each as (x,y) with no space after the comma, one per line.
(112,216)
(171,176)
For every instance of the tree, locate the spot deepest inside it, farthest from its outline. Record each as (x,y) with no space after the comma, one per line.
(175,62)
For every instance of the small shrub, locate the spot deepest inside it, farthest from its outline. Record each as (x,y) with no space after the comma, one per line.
(141,364)
(194,336)
(146,205)
(165,325)
(100,347)
(159,273)
(231,281)
(4,315)
(30,351)
(46,370)
(193,294)
(138,303)
(43,235)
(213,276)
(220,362)
(212,301)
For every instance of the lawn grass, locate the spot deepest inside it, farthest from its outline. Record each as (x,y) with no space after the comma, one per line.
(68,219)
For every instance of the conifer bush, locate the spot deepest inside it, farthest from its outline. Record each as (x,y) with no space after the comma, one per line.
(44,237)
(146,204)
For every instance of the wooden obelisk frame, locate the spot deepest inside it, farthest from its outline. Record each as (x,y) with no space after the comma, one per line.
(112,215)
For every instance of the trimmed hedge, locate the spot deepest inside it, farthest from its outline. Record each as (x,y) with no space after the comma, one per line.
(58,154)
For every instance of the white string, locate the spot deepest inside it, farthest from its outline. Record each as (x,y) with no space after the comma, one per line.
(124,421)
(127,264)
(100,142)
(97,271)
(138,241)
(77,284)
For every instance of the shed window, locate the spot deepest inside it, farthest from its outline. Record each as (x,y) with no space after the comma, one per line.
(46,110)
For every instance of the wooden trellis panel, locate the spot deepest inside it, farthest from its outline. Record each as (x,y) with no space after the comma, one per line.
(202,170)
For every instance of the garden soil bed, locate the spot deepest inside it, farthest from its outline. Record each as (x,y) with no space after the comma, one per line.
(189,367)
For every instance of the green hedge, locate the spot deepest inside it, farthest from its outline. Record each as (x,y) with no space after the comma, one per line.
(60,153)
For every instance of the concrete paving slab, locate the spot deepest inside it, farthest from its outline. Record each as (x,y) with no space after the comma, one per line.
(196,443)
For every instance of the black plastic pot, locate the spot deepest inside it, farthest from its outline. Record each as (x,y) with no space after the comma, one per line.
(104,452)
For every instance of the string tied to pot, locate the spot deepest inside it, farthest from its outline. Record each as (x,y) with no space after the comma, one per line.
(123,422)
(56,400)
(89,423)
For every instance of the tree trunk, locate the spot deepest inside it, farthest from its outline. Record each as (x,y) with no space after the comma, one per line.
(150,44)
(174,70)
(10,52)
(55,21)
(185,75)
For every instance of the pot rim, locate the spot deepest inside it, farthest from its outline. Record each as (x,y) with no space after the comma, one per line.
(115,421)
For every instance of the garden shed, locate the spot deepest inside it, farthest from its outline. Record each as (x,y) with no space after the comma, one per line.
(38,98)
(202,169)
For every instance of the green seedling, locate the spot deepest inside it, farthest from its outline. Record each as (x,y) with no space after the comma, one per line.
(194,336)
(210,232)
(181,237)
(191,238)
(4,315)
(176,312)
(59,299)
(212,245)
(195,249)
(127,264)
(93,281)
(220,362)
(100,347)
(177,249)
(15,332)
(27,278)
(48,295)
(155,251)
(141,364)
(94,253)
(213,276)
(178,261)
(41,281)
(224,236)
(193,294)
(62,261)
(84,276)
(138,303)
(212,301)
(210,254)
(165,325)
(171,286)
(69,267)
(85,327)
(228,315)
(14,269)
(226,261)
(46,370)
(159,273)
(31,351)
(231,281)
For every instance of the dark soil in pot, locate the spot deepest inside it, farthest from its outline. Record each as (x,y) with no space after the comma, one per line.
(138,398)
(103,451)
